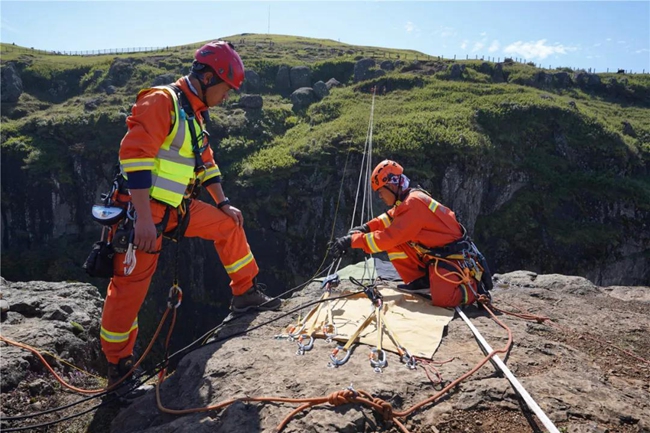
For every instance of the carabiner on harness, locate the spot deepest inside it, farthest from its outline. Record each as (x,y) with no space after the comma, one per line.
(175,292)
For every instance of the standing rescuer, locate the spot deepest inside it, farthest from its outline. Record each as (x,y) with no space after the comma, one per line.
(427,245)
(165,156)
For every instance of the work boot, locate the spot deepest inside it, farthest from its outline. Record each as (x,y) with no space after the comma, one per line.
(419,287)
(254,298)
(123,390)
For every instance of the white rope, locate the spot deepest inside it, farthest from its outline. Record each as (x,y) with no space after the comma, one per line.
(364,176)
(511,377)
(129,260)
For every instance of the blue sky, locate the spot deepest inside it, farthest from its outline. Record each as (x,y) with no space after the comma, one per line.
(580,34)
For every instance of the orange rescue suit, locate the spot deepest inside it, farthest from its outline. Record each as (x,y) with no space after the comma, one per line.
(148,126)
(418,218)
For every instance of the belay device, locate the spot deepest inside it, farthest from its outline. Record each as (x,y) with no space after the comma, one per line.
(115,216)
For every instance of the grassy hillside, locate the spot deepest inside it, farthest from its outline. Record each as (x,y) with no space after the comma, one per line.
(578,143)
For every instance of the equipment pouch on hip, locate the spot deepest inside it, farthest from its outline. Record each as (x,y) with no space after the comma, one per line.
(100,260)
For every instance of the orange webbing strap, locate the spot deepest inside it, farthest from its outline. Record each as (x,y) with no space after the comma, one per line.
(314,325)
(356,333)
(294,330)
(462,273)
(82,390)
(401,350)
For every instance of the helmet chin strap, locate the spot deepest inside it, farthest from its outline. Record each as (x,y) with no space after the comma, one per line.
(396,194)
(204,87)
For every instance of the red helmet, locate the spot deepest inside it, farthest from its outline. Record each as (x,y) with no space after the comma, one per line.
(385,172)
(224,61)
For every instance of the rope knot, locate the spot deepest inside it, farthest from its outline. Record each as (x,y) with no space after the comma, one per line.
(386,409)
(344,396)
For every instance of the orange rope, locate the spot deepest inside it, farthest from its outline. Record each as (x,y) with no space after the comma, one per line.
(338,398)
(82,390)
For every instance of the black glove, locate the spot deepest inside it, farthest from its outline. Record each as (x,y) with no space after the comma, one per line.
(340,245)
(363,228)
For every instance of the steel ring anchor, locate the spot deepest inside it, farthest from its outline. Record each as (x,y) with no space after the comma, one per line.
(378,359)
(409,360)
(335,362)
(330,332)
(304,347)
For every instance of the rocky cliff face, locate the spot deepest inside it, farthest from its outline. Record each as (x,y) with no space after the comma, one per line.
(577,372)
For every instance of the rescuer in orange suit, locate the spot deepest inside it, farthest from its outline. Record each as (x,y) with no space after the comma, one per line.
(417,232)
(165,155)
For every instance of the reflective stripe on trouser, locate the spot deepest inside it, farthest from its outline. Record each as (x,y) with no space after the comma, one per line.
(449,293)
(123,300)
(126,293)
(406,262)
(208,222)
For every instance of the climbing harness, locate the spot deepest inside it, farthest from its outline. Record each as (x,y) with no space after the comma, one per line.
(461,258)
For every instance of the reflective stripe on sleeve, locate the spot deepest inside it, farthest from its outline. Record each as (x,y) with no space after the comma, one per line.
(370,241)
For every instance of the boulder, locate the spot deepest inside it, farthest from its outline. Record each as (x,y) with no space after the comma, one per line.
(303,98)
(497,74)
(628,129)
(61,318)
(11,85)
(361,69)
(562,79)
(485,68)
(321,90)
(252,82)
(333,82)
(300,76)
(456,71)
(120,71)
(387,65)
(163,79)
(283,81)
(254,102)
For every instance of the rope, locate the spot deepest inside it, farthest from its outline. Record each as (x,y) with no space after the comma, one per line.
(82,390)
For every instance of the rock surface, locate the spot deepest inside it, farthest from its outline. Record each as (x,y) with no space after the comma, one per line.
(60,318)
(571,367)
(581,382)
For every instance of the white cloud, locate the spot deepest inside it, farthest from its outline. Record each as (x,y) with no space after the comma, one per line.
(4,24)
(642,50)
(536,50)
(445,32)
(464,44)
(597,45)
(608,39)
(494,46)
(410,27)
(484,34)
(477,46)
(621,42)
